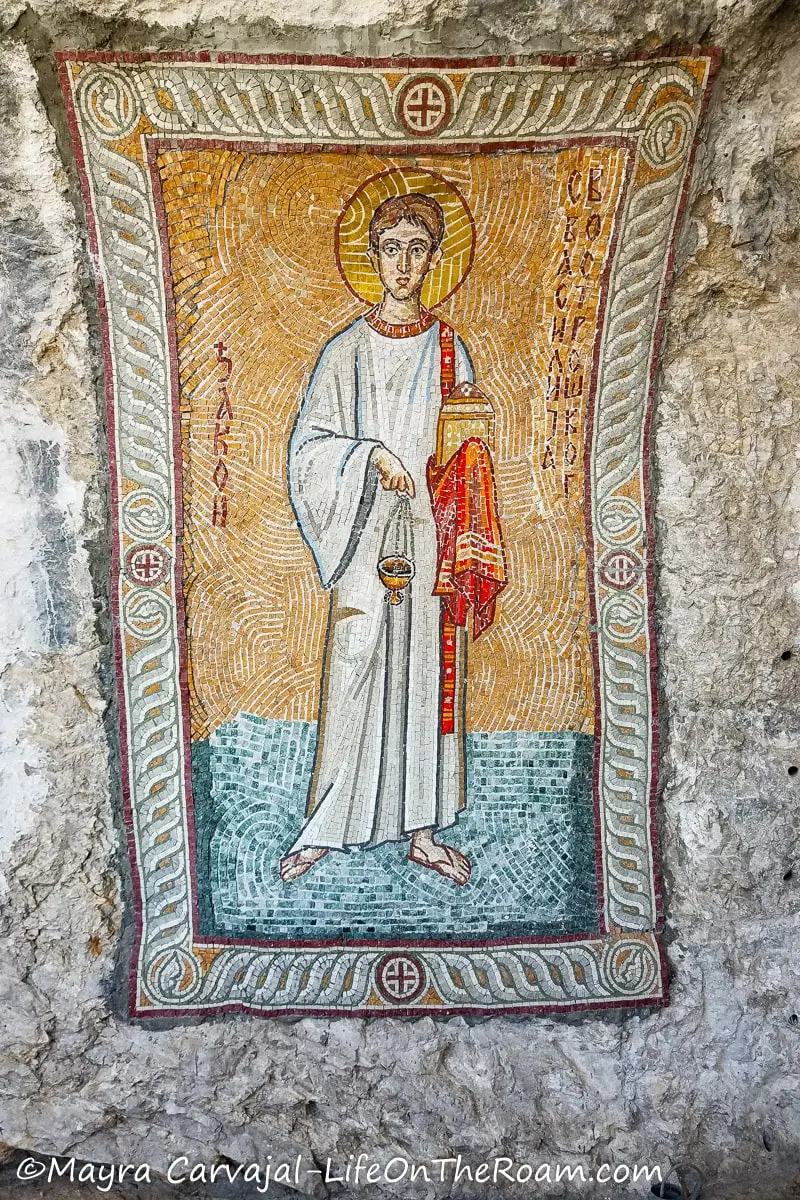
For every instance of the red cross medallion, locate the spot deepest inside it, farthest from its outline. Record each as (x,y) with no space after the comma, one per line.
(424,105)
(147,565)
(400,978)
(620,570)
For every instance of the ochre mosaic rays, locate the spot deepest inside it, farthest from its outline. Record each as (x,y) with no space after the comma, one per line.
(260,229)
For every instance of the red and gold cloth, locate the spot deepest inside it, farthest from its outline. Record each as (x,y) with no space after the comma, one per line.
(471,560)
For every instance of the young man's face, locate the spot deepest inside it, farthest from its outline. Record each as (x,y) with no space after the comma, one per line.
(405,255)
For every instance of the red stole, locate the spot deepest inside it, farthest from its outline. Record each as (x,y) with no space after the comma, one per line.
(471,563)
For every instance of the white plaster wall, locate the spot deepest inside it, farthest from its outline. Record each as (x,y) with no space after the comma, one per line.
(714,1076)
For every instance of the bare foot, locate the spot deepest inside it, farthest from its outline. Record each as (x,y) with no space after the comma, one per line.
(445,860)
(295,865)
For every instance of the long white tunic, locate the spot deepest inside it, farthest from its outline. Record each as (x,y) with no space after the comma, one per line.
(382,768)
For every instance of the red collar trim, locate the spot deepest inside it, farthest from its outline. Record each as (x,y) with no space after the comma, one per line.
(400,331)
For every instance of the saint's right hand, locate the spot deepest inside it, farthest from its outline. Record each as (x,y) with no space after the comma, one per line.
(393,475)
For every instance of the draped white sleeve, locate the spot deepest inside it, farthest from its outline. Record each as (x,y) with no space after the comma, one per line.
(332,482)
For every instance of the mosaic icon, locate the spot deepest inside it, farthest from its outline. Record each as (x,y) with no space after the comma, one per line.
(382,360)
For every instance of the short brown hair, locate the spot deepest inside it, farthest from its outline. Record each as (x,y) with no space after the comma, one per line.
(420,210)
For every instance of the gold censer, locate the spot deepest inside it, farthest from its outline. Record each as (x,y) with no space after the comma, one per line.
(396,572)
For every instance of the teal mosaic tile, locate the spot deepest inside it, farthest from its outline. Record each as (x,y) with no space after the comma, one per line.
(528,830)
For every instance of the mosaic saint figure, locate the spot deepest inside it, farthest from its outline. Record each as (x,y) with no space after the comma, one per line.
(384,770)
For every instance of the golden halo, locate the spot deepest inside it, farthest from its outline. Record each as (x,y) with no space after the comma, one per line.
(352,234)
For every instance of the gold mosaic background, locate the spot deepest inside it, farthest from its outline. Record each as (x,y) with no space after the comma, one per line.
(251,241)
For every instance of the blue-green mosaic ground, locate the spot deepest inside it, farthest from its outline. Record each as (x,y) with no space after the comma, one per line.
(528,830)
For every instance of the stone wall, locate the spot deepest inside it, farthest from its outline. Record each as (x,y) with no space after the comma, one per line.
(712,1077)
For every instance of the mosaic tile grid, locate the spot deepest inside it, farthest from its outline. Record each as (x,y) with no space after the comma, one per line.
(573,401)
(528,826)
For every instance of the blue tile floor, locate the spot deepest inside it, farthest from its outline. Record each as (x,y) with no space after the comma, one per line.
(528,830)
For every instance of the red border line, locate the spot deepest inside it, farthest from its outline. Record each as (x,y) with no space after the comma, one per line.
(419,149)
(225,57)
(401,63)
(154,146)
(429,1010)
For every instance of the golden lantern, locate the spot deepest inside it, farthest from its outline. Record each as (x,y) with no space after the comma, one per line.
(467,412)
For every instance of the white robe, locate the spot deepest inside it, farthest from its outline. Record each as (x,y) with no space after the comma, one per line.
(382,768)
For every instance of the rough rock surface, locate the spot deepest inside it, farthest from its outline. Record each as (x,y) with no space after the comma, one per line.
(712,1078)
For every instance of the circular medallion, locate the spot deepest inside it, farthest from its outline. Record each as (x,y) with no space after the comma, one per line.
(619,520)
(351,237)
(146,614)
(108,101)
(400,978)
(630,967)
(174,975)
(623,617)
(147,565)
(145,514)
(669,131)
(424,105)
(620,570)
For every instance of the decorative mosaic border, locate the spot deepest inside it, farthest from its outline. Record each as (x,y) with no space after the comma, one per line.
(280,103)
